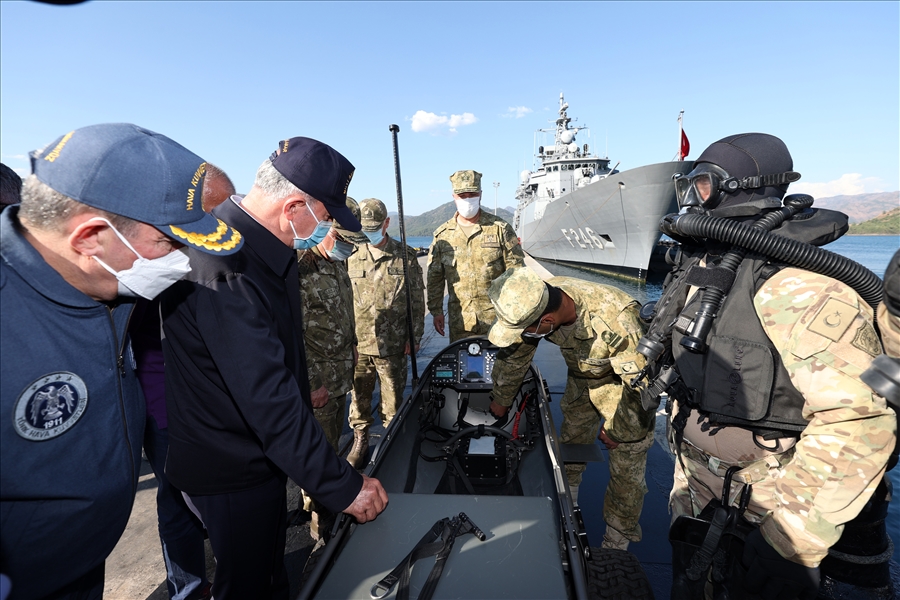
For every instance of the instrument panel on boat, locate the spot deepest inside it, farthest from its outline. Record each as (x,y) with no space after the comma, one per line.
(465,367)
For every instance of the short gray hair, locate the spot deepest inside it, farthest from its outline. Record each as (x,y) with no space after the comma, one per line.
(45,209)
(275,185)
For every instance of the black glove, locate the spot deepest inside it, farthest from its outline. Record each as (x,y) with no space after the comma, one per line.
(772,576)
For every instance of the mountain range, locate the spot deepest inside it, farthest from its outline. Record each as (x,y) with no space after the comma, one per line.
(883,208)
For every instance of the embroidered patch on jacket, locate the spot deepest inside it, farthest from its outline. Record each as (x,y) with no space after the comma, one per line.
(490,240)
(833,319)
(50,406)
(867,340)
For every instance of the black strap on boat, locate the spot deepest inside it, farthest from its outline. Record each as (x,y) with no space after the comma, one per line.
(447,530)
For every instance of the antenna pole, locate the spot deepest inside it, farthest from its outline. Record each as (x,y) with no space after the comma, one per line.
(409,323)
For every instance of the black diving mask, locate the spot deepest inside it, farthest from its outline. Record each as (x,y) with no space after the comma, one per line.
(705,187)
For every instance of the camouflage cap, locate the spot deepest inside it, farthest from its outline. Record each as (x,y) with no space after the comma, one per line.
(373,212)
(519,296)
(356,237)
(466,182)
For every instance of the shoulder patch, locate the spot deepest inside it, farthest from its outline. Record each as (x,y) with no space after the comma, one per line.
(50,406)
(834,318)
(867,340)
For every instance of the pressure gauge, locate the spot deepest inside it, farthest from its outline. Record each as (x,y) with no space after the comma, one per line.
(474,349)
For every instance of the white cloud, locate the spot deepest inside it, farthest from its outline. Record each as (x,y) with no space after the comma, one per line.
(15,156)
(517,112)
(429,121)
(848,184)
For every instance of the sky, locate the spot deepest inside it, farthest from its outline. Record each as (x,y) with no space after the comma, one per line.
(468,83)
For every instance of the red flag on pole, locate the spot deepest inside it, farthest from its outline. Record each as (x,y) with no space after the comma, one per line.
(685,145)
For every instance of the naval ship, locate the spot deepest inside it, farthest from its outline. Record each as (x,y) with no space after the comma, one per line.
(575,209)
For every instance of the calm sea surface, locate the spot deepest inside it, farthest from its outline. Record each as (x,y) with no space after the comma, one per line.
(872,252)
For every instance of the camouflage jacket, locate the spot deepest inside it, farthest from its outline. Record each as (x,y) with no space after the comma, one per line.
(468,265)
(328,330)
(841,456)
(601,346)
(380,298)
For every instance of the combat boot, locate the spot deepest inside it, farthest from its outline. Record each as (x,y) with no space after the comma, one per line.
(360,448)
(614,540)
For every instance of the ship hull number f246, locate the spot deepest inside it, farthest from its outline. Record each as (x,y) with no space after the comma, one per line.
(586,238)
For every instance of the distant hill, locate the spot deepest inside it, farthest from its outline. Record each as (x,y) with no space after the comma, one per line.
(861,207)
(426,223)
(887,223)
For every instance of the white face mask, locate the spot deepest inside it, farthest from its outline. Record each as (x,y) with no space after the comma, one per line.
(147,278)
(468,207)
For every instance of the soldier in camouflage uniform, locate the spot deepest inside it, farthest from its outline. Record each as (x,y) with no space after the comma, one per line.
(775,393)
(596,328)
(328,331)
(379,294)
(469,252)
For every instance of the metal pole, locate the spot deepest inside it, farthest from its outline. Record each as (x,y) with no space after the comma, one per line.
(409,323)
(496,185)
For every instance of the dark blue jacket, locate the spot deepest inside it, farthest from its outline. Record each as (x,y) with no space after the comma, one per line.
(237,389)
(71,422)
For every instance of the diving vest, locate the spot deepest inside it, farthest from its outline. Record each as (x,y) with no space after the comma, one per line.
(740,380)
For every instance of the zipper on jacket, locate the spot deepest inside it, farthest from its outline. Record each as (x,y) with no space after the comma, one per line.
(120,361)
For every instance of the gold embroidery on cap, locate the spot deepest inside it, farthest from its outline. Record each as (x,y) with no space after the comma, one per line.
(54,154)
(198,175)
(347,185)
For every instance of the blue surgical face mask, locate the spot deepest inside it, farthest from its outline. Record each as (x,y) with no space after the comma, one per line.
(375,237)
(318,234)
(341,251)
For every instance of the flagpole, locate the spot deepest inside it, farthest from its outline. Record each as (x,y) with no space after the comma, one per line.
(680,133)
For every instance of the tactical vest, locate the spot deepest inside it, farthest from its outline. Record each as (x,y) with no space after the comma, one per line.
(740,379)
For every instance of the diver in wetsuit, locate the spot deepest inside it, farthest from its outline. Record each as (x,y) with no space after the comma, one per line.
(762,362)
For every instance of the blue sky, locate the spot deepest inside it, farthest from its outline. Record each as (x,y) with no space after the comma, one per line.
(230,79)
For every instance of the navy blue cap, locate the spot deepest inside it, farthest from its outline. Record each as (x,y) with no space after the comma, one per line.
(320,171)
(136,173)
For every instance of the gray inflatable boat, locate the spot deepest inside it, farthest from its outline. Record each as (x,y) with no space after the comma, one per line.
(479,508)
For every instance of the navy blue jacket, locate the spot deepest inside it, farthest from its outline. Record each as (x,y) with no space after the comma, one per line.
(71,422)
(237,390)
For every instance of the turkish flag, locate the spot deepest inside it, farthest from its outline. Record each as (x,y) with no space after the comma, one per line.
(685,145)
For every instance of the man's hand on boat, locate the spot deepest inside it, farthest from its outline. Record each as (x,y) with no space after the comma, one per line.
(369,502)
(610,443)
(439,324)
(319,397)
(498,410)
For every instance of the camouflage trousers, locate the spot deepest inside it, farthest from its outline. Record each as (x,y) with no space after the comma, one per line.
(391,373)
(584,404)
(458,329)
(331,418)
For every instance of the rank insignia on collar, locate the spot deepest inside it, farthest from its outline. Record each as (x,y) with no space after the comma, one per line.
(50,406)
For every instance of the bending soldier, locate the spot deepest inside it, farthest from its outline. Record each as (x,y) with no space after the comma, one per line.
(773,401)
(597,328)
(379,293)
(469,252)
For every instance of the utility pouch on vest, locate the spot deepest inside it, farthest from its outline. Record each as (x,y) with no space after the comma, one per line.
(741,372)
(709,547)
